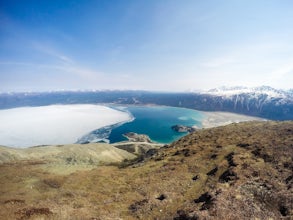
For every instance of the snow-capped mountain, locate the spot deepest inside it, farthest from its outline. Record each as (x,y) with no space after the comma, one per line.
(262,93)
(262,90)
(263,101)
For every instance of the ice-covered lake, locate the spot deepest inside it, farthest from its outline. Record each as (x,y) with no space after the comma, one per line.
(54,124)
(67,124)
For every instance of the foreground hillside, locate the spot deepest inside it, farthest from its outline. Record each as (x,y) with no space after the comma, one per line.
(65,158)
(239,171)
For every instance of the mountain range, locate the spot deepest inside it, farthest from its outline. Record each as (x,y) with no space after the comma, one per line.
(263,101)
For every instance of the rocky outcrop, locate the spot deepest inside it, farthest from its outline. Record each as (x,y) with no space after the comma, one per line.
(182,128)
(134,137)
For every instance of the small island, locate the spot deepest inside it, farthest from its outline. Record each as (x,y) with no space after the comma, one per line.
(183,128)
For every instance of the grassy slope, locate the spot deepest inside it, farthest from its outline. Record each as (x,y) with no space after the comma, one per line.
(65,158)
(239,171)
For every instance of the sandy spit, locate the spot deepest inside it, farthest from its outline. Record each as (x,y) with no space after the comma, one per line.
(215,119)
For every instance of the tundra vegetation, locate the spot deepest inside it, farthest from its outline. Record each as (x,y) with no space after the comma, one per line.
(238,171)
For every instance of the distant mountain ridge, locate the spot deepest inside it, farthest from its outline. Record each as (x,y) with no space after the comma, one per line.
(263,101)
(270,91)
(253,91)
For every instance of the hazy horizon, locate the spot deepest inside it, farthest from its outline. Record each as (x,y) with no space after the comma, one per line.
(153,45)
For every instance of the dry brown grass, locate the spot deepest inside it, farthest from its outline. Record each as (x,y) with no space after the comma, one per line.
(252,180)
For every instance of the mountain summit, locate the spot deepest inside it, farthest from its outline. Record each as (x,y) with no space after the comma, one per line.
(238,171)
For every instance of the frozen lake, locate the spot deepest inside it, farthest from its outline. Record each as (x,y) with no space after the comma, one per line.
(54,124)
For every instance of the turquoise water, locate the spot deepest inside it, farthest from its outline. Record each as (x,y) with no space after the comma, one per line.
(156,122)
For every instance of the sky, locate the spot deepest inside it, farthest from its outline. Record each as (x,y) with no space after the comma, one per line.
(158,45)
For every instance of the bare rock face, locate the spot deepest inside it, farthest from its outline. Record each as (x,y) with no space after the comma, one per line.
(134,137)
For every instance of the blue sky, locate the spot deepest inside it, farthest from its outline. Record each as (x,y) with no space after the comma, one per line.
(166,45)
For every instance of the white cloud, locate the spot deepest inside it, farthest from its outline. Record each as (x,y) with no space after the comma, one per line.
(82,72)
(52,52)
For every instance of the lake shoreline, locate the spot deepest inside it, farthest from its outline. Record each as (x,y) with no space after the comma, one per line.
(184,117)
(216,119)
